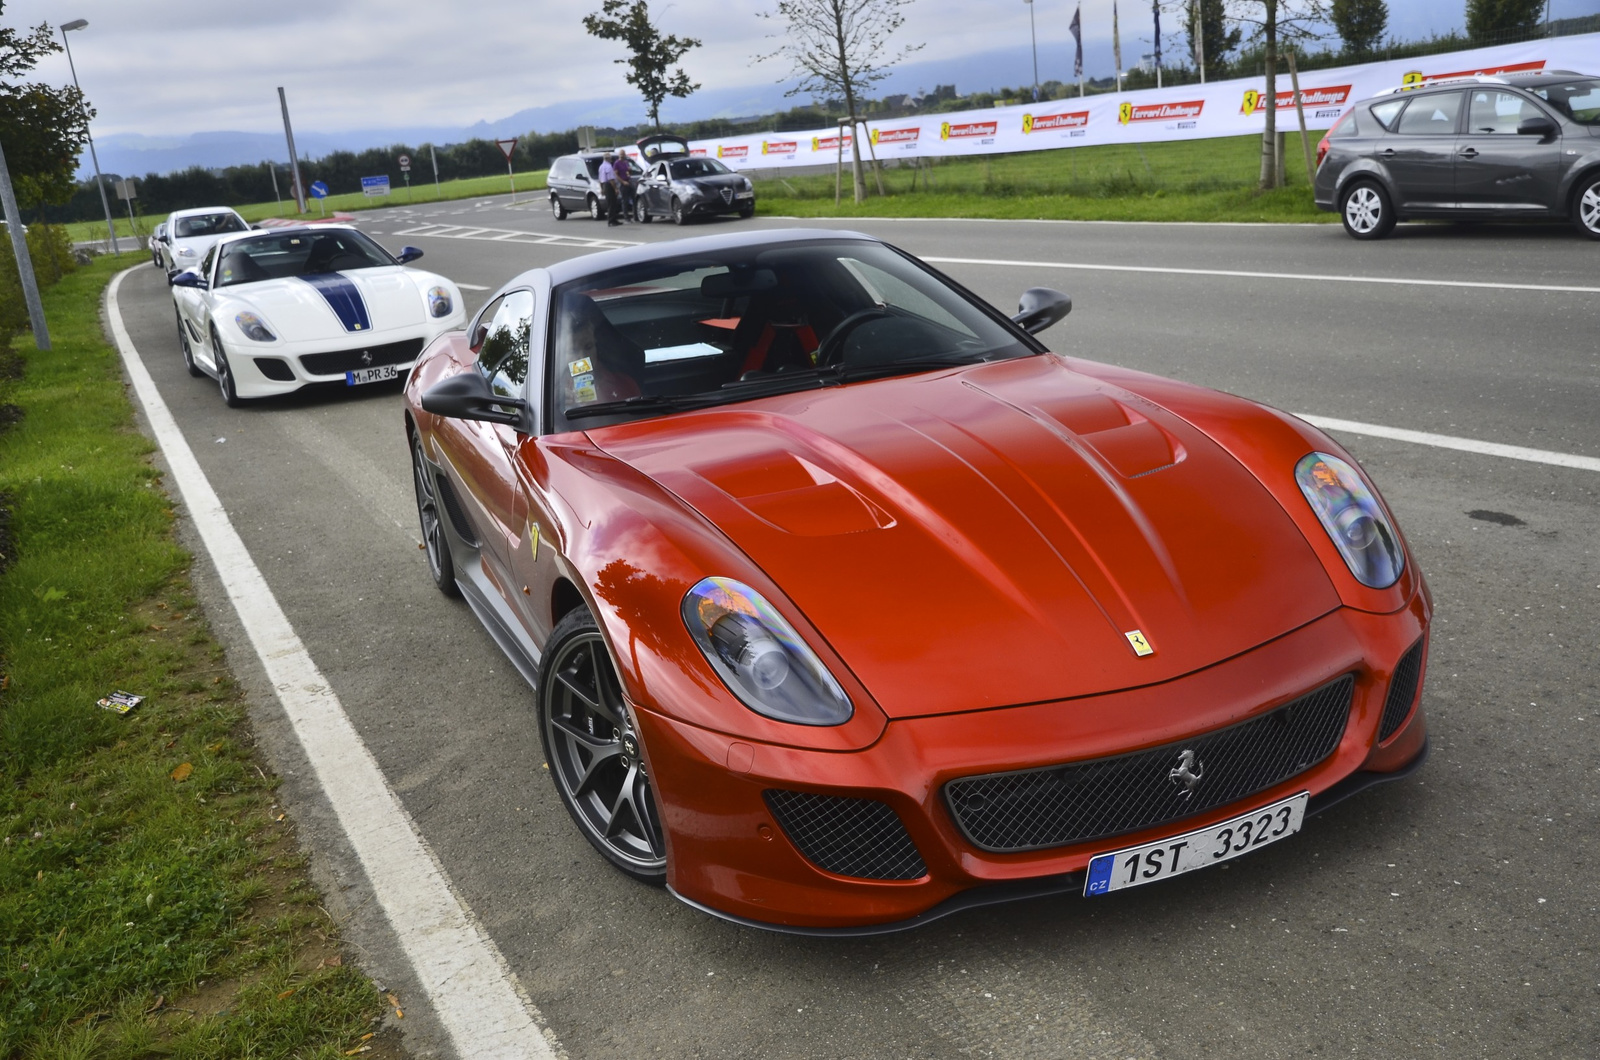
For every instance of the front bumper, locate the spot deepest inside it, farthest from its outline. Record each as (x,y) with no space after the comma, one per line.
(729,855)
(269,369)
(713,204)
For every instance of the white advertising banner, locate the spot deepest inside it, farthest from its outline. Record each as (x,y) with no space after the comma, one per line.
(1220,108)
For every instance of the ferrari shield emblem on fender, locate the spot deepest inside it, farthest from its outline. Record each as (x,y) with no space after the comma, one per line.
(1141,647)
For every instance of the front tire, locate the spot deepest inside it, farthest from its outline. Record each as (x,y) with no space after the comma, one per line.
(594,753)
(558,211)
(596,211)
(1366,211)
(188,351)
(441,565)
(747,212)
(1586,206)
(225,382)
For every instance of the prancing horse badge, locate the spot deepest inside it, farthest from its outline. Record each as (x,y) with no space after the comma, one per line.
(1141,647)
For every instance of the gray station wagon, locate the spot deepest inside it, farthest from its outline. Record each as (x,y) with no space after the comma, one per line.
(1472,148)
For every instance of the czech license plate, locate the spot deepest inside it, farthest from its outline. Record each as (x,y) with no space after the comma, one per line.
(1195,850)
(370,375)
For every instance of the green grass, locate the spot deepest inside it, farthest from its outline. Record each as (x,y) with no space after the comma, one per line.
(143,911)
(422,191)
(1199,180)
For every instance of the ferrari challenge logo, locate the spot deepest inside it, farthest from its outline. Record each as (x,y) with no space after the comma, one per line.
(1252,101)
(1141,647)
(1132,112)
(829,143)
(897,136)
(966,129)
(1416,78)
(1044,122)
(785,147)
(1333,96)
(733,151)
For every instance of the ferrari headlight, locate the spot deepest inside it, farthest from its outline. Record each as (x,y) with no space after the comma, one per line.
(253,328)
(439,303)
(1353,518)
(760,657)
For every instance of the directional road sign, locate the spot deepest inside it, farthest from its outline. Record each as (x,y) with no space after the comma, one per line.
(319,190)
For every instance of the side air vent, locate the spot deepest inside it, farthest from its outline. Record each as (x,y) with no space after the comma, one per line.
(1402,692)
(850,837)
(458,516)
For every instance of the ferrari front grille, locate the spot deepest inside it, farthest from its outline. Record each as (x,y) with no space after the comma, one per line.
(1079,801)
(402,352)
(1402,692)
(848,837)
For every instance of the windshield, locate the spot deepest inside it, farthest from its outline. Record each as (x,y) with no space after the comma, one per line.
(685,168)
(208,224)
(750,321)
(298,254)
(1578,100)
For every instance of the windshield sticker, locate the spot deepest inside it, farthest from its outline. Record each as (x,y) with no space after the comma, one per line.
(579,382)
(580,366)
(584,394)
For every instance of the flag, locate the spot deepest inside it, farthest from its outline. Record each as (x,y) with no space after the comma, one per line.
(1156,7)
(1116,39)
(1076,27)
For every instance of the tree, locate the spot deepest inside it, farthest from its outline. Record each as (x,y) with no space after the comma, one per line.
(1494,21)
(1213,32)
(1273,21)
(652,53)
(837,48)
(43,128)
(1360,23)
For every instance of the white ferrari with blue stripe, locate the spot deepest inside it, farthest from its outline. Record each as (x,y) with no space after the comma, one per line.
(269,312)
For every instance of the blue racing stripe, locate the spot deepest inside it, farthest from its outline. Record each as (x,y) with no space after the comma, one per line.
(344,298)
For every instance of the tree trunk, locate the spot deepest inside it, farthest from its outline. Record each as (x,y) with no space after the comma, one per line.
(1269,136)
(843,55)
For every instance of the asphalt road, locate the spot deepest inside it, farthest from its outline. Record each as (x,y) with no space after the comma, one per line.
(1453,915)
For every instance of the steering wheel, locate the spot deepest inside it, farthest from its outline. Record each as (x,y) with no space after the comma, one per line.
(832,346)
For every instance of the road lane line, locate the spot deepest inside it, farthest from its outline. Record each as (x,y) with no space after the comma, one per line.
(1445,441)
(471,286)
(478,999)
(1402,281)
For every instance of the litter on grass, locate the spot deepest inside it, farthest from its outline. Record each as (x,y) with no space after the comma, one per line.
(120,702)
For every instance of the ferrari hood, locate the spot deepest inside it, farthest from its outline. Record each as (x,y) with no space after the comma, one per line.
(1008,533)
(335,304)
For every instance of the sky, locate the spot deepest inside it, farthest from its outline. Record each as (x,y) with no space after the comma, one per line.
(169,69)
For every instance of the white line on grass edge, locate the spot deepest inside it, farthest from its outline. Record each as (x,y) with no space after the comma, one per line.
(475,994)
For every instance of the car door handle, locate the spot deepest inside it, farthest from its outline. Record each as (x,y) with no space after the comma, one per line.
(1471,152)
(1388,152)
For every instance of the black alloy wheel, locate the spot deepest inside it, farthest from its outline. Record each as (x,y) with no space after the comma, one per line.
(1366,210)
(1586,206)
(594,753)
(225,383)
(747,212)
(596,211)
(556,209)
(188,351)
(679,216)
(440,563)
(641,212)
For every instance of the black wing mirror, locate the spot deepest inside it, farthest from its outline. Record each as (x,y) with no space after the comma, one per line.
(1039,307)
(189,278)
(1538,125)
(408,254)
(467,396)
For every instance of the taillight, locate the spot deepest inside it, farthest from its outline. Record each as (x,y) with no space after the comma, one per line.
(1322,151)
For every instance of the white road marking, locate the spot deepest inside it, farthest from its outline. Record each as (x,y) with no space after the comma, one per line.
(471,286)
(512,235)
(1445,441)
(476,995)
(1403,281)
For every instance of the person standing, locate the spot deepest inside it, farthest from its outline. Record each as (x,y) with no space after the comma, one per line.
(608,184)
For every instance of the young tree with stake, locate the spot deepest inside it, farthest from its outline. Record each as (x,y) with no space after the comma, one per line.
(1275,20)
(837,48)
(652,54)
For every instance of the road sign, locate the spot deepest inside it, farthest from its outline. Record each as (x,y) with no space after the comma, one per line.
(375,185)
(405,163)
(126,189)
(507,146)
(319,190)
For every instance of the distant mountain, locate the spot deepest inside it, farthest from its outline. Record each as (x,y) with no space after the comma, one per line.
(135,154)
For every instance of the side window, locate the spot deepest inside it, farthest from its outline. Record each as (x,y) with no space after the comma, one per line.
(1387,112)
(503,357)
(1498,112)
(210,259)
(1349,125)
(1431,115)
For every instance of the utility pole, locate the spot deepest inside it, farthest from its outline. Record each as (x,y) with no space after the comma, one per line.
(437,192)
(99,181)
(1033,32)
(19,246)
(273,169)
(299,189)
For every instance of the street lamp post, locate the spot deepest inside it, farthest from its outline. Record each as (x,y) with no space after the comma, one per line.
(99,182)
(1033,32)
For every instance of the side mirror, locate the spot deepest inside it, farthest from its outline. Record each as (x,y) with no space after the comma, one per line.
(584,177)
(189,278)
(1039,307)
(409,254)
(467,397)
(1538,125)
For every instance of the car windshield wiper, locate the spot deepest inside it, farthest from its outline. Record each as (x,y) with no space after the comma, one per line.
(638,403)
(850,373)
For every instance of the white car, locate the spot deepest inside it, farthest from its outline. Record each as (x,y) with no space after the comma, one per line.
(267,313)
(190,233)
(157,237)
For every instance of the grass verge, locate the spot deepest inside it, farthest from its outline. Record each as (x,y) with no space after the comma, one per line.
(152,899)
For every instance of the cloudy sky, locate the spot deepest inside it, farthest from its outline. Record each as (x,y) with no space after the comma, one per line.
(171,68)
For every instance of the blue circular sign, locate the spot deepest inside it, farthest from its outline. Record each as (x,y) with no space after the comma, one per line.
(319,190)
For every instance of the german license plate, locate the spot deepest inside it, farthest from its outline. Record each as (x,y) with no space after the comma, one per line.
(1195,850)
(370,375)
